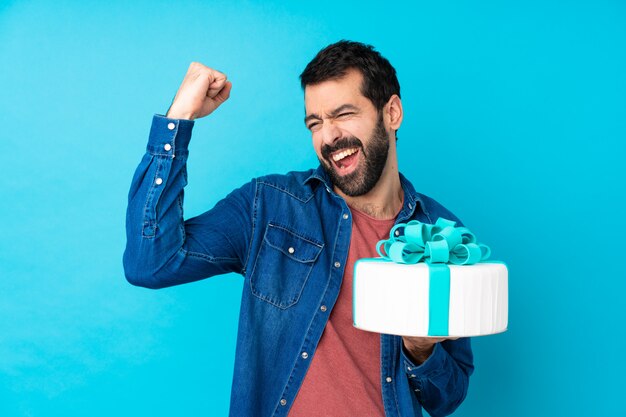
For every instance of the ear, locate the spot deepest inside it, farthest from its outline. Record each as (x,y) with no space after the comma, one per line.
(393,112)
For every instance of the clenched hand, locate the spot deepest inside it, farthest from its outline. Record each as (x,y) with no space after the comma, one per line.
(202,91)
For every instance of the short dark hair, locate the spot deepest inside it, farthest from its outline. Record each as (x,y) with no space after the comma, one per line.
(379,77)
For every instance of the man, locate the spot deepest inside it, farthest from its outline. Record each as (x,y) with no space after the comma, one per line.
(295,238)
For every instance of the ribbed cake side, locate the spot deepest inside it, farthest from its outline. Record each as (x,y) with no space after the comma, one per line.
(394,298)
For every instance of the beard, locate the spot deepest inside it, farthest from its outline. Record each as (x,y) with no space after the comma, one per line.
(369,170)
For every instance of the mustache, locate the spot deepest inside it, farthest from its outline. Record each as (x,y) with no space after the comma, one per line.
(340,144)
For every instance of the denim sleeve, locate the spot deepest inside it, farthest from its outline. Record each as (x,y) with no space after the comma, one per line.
(161,248)
(440,383)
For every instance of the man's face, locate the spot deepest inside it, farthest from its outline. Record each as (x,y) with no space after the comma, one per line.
(349,134)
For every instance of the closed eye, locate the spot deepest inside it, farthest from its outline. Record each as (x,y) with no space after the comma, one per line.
(313,125)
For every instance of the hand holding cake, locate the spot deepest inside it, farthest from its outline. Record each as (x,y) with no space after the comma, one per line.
(420,348)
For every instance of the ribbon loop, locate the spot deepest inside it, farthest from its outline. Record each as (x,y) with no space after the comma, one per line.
(438,250)
(438,243)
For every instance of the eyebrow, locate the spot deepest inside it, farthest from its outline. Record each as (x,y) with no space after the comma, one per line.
(333,113)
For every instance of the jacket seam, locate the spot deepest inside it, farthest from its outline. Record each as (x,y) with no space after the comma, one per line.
(147,208)
(254,209)
(206,257)
(286,191)
(394,365)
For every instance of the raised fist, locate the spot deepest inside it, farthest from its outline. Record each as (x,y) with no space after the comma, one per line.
(203,90)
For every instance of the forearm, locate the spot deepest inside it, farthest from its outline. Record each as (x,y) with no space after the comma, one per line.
(154,217)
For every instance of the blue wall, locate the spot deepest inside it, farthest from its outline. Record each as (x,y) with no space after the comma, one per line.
(515,118)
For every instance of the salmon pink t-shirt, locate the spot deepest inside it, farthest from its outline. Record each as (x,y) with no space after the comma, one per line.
(344,376)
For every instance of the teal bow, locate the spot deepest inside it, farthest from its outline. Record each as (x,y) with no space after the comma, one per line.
(442,242)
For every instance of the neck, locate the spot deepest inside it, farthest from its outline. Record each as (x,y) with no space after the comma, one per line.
(384,201)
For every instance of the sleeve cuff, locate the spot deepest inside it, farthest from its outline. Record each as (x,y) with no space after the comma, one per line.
(433,364)
(169,137)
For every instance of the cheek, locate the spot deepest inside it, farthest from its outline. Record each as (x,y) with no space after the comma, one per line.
(355,129)
(317,145)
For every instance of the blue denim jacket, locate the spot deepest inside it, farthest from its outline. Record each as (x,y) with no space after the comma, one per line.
(288,236)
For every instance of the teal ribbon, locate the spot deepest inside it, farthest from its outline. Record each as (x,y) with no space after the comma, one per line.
(437,245)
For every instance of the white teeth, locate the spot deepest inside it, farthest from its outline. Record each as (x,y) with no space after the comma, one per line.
(339,156)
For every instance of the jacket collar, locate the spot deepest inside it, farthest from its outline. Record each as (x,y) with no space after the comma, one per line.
(411,197)
(318,174)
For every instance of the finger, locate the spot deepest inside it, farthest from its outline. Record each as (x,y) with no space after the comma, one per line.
(224,93)
(210,104)
(216,83)
(215,87)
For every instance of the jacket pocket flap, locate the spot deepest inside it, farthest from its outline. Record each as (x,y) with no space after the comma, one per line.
(295,246)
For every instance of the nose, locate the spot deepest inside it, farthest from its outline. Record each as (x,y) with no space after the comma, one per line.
(330,132)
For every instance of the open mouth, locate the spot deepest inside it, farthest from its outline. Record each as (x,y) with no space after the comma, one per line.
(345,160)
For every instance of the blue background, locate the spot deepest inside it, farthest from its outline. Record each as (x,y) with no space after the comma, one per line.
(515,119)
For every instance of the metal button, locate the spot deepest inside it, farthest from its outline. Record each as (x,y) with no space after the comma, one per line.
(410,206)
(345,216)
(171,126)
(408,368)
(159,181)
(305,355)
(412,376)
(397,233)
(323,308)
(388,379)
(291,250)
(337,264)
(167,146)
(283,402)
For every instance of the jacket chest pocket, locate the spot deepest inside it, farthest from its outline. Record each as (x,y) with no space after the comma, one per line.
(282,266)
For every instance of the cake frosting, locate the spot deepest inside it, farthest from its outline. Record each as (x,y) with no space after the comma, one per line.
(393,298)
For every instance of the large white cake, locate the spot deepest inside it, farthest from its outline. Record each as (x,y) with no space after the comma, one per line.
(393,298)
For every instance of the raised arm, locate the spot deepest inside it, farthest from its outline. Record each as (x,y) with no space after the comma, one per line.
(162,249)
